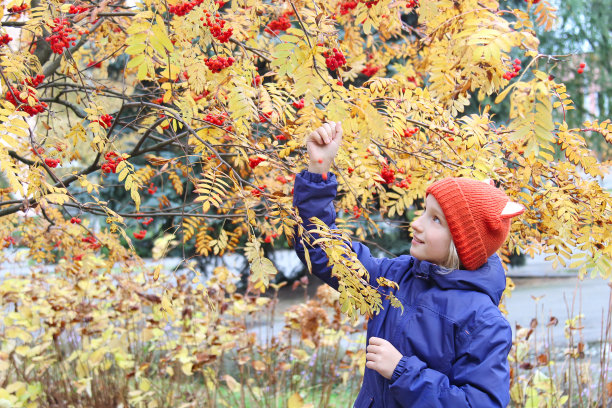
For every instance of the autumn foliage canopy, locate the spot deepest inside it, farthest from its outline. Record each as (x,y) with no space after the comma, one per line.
(184,122)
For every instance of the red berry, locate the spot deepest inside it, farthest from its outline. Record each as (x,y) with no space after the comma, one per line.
(580,70)
(52,162)
(582,65)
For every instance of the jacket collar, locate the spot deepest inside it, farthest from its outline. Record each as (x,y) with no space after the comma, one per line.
(490,278)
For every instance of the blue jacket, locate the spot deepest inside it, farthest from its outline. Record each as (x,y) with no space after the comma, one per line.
(453,338)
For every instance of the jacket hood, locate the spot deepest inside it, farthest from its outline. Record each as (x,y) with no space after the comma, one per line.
(490,278)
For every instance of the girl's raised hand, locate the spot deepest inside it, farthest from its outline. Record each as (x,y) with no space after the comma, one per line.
(322,145)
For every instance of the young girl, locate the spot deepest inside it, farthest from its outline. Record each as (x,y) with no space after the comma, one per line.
(449,347)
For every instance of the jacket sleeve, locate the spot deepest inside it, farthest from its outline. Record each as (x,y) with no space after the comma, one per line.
(313,197)
(481,375)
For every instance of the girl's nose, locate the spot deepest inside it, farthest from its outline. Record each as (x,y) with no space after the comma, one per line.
(416,225)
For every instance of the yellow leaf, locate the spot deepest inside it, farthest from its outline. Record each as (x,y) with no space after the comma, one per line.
(186,368)
(143,70)
(15,332)
(504,93)
(156,272)
(136,61)
(145,385)
(135,49)
(259,365)
(232,384)
(295,401)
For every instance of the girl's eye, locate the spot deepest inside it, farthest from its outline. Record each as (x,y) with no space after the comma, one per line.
(436,219)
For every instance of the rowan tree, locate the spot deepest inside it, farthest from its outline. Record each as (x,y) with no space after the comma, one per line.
(198,111)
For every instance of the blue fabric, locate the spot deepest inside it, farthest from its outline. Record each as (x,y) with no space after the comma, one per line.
(453,338)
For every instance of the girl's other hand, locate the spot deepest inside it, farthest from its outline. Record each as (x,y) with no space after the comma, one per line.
(322,145)
(382,357)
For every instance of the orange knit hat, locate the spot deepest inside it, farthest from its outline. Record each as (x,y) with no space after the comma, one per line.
(478,216)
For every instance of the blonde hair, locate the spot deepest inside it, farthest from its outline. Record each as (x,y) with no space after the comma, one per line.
(452,261)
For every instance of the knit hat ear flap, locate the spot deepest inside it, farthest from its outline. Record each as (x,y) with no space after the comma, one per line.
(512,209)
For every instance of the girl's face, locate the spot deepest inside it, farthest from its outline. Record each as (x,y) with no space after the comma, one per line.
(431,237)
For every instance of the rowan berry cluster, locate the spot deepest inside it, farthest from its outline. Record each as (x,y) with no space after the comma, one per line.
(254,161)
(182,9)
(53,163)
(105,121)
(270,238)
(34,81)
(410,131)
(94,64)
(218,119)
(75,220)
(299,104)
(334,59)
(61,37)
(198,97)
(257,80)
(356,211)
(264,117)
(412,3)
(370,3)
(347,6)
(256,192)
(5,39)
(280,24)
(219,63)
(405,183)
(90,239)
(147,221)
(370,70)
(77,9)
(22,104)
(216,27)
(387,174)
(517,67)
(140,235)
(581,68)
(8,241)
(152,189)
(112,160)
(18,9)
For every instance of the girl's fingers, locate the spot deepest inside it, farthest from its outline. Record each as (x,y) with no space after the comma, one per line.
(316,137)
(377,341)
(326,133)
(329,131)
(323,133)
(371,357)
(373,349)
(338,129)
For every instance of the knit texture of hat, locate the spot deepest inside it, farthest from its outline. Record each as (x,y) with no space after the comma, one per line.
(473,211)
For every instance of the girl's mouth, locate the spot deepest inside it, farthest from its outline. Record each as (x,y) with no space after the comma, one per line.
(415,240)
